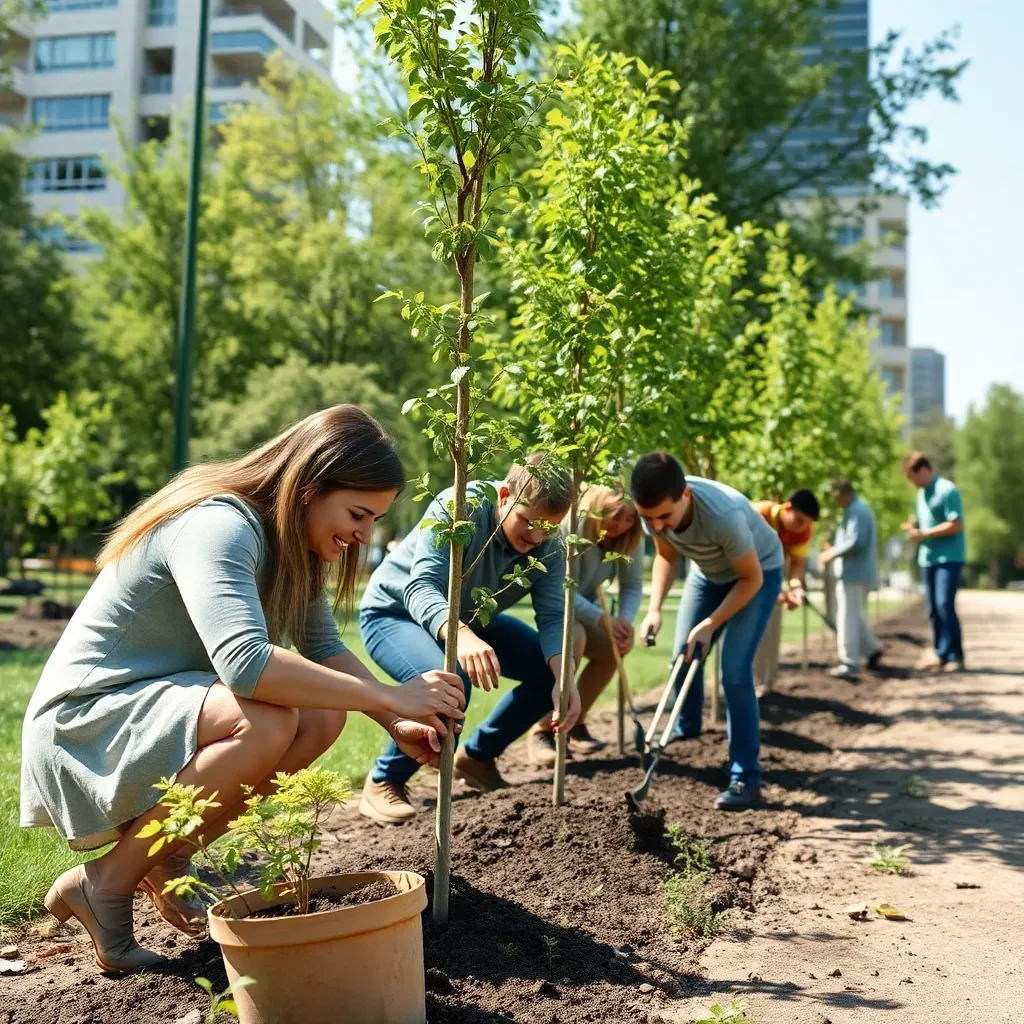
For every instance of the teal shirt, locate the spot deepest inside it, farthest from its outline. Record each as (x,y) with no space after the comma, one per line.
(413,580)
(938,503)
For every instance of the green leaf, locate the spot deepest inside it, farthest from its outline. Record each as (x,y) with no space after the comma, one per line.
(459,373)
(364,6)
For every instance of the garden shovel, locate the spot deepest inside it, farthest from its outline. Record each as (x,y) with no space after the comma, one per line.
(636,797)
(644,740)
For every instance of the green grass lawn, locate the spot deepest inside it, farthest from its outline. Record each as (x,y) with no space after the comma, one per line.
(31,858)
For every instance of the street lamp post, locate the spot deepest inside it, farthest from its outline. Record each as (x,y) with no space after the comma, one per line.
(187,318)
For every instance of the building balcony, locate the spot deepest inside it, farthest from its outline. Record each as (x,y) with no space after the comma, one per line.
(157,85)
(247,41)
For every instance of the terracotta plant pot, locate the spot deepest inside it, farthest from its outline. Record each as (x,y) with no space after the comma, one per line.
(361,964)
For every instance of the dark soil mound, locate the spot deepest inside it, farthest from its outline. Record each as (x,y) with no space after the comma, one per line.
(555,915)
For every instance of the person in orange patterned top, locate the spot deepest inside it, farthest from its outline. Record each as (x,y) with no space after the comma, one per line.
(793,520)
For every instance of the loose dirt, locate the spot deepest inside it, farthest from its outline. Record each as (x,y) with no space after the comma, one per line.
(559,915)
(330,900)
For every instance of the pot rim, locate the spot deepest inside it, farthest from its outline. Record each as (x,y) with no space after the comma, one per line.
(324,925)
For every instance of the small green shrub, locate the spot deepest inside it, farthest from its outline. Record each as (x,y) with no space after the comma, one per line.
(732,1013)
(693,855)
(223,1002)
(889,860)
(689,907)
(914,786)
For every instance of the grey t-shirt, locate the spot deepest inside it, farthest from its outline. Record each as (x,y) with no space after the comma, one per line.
(724,527)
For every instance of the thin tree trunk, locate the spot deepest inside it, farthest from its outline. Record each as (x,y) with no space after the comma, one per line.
(443,818)
(565,678)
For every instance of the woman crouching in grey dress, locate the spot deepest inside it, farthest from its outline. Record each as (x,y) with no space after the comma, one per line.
(178,662)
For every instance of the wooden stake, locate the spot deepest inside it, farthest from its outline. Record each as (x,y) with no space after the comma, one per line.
(805,627)
(621,671)
(565,679)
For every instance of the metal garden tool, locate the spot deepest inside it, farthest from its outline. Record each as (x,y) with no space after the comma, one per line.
(644,740)
(821,615)
(636,797)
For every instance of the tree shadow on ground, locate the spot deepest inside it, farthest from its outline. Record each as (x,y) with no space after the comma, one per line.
(791,992)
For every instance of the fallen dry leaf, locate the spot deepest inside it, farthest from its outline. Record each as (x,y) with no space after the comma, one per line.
(63,947)
(967,885)
(858,911)
(890,913)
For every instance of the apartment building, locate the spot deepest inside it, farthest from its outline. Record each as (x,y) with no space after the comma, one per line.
(927,384)
(89,62)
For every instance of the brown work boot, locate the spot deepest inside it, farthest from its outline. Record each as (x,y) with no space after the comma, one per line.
(954,666)
(482,775)
(928,662)
(581,740)
(386,802)
(540,748)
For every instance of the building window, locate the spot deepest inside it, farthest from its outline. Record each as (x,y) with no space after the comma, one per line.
(893,380)
(75,53)
(71,113)
(847,289)
(892,286)
(64,239)
(67,174)
(849,234)
(163,12)
(254,40)
(893,234)
(894,333)
(56,6)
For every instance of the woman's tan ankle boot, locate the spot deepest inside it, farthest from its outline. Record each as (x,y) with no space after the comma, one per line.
(107,917)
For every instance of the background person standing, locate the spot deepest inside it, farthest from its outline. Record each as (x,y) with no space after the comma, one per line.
(938,532)
(855,551)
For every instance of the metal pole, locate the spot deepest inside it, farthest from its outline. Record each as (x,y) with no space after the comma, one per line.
(187,314)
(804,625)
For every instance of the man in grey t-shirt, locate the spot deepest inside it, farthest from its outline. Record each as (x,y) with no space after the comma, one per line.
(731,589)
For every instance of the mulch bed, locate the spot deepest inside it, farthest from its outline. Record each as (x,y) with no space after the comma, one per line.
(556,915)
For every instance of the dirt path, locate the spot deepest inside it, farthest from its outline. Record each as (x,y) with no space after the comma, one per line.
(960,956)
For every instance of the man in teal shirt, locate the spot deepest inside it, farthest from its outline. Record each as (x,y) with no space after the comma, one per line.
(941,551)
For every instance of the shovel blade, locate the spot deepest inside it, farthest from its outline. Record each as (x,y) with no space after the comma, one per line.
(635,797)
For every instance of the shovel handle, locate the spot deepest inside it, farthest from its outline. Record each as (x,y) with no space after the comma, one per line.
(677,707)
(662,704)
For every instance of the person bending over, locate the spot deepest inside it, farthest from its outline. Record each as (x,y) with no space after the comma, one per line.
(403,621)
(611,525)
(731,589)
(793,520)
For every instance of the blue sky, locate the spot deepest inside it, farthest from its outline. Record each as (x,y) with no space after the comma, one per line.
(966,258)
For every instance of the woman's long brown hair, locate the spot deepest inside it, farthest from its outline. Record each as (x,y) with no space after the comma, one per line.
(340,447)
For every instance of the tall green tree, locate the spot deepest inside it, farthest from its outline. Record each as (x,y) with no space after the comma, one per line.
(937,438)
(749,90)
(39,333)
(598,283)
(468,110)
(990,474)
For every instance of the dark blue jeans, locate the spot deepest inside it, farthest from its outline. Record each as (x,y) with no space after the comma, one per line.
(940,586)
(404,649)
(739,638)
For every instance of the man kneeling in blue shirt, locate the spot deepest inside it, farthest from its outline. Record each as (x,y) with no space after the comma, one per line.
(403,622)
(732,587)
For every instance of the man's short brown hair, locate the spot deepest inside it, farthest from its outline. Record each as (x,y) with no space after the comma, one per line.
(915,461)
(541,480)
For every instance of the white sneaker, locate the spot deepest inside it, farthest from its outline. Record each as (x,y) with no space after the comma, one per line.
(842,672)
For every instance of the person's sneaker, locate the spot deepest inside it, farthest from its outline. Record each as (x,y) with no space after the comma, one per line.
(738,797)
(875,660)
(540,748)
(842,672)
(954,666)
(482,775)
(581,740)
(928,662)
(386,802)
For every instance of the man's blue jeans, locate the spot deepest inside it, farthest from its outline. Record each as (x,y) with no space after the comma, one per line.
(738,638)
(404,649)
(940,587)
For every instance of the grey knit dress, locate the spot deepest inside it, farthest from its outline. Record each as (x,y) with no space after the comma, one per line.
(117,706)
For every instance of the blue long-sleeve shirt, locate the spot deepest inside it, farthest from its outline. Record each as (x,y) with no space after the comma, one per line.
(856,545)
(413,579)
